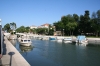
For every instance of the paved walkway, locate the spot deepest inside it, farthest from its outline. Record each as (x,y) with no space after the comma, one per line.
(11,57)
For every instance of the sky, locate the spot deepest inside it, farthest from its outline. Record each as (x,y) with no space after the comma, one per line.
(39,12)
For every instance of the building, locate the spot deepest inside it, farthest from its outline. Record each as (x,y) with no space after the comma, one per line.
(33,27)
(45,25)
(57,33)
(42,26)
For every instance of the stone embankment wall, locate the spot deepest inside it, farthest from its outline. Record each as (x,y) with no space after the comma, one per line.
(12,57)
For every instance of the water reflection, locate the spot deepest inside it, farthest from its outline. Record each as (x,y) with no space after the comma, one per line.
(13,42)
(25,48)
(81,44)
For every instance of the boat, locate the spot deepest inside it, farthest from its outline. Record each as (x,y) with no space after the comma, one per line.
(59,39)
(67,40)
(81,39)
(45,38)
(52,38)
(26,42)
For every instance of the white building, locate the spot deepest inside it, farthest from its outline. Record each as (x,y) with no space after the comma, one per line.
(33,27)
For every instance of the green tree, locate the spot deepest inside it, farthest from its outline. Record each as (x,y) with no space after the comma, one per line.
(21,29)
(95,22)
(13,26)
(7,27)
(59,25)
(76,17)
(72,23)
(42,30)
(27,29)
(86,22)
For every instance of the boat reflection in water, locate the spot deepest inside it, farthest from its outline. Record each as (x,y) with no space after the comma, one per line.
(13,42)
(25,49)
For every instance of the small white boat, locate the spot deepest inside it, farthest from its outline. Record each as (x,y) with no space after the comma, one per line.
(59,39)
(81,40)
(67,40)
(25,42)
(40,38)
(45,38)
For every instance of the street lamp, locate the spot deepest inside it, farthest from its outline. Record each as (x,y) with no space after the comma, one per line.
(63,32)
(0,21)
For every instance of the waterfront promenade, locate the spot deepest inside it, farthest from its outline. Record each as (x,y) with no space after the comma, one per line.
(11,57)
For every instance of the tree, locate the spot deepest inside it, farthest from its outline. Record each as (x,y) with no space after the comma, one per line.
(86,22)
(98,14)
(76,17)
(7,27)
(72,23)
(21,29)
(95,23)
(59,25)
(13,26)
(42,30)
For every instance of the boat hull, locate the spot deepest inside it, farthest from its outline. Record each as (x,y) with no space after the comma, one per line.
(67,41)
(59,40)
(25,44)
(82,42)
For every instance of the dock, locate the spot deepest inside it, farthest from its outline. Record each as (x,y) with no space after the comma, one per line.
(11,56)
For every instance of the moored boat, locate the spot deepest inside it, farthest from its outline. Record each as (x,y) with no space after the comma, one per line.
(52,38)
(25,42)
(81,39)
(67,40)
(59,39)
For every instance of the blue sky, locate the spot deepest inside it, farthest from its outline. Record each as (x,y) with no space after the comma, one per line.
(38,12)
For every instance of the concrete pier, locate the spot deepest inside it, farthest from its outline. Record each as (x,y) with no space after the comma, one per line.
(11,57)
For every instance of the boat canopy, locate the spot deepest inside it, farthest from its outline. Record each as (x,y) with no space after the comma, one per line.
(81,37)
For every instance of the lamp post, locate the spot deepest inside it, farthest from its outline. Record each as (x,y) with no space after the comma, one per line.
(0,21)
(1,44)
(63,32)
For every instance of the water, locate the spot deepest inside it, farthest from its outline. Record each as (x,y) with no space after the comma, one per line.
(51,53)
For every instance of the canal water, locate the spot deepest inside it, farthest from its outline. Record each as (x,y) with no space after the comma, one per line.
(52,53)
